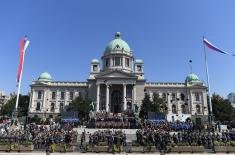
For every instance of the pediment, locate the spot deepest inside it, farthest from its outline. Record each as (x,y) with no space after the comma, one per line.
(116,74)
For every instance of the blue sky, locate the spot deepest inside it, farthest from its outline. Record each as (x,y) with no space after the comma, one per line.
(66,35)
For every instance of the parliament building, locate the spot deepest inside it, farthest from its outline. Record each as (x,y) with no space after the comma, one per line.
(117,83)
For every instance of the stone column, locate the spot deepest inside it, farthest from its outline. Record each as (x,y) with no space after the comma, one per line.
(134,93)
(124,97)
(133,96)
(98,98)
(107,98)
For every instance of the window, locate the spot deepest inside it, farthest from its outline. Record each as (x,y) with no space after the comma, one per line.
(183,109)
(173,109)
(71,95)
(107,62)
(164,96)
(173,97)
(139,68)
(53,95)
(39,95)
(38,106)
(128,93)
(197,97)
(52,106)
(95,68)
(182,97)
(62,96)
(127,62)
(117,61)
(61,106)
(198,109)
(80,94)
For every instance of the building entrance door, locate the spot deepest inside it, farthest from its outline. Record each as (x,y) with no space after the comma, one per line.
(116,101)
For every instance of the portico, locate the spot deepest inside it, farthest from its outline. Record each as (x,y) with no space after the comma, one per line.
(117,94)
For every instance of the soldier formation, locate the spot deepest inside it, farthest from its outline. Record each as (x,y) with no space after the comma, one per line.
(41,136)
(162,135)
(109,138)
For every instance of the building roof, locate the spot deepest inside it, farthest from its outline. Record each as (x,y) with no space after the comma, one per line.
(117,45)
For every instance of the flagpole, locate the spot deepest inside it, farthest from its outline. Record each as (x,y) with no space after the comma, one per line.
(208,83)
(19,85)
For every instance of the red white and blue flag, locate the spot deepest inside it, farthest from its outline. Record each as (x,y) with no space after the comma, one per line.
(23,46)
(213,47)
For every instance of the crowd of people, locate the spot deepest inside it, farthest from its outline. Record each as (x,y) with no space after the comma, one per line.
(165,134)
(42,136)
(118,121)
(114,122)
(107,137)
(166,126)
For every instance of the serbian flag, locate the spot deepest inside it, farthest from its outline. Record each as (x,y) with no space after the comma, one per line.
(213,47)
(23,45)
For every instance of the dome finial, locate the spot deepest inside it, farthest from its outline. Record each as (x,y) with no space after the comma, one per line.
(118,35)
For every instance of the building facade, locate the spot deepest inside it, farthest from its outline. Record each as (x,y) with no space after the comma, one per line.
(231,98)
(116,84)
(3,98)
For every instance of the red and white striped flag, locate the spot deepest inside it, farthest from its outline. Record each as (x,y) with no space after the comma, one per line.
(23,45)
(213,47)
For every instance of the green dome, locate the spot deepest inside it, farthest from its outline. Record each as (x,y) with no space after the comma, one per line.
(95,61)
(192,78)
(45,77)
(117,44)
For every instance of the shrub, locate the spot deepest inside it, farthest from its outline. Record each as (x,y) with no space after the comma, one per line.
(232,143)
(136,144)
(102,144)
(4,143)
(26,143)
(218,143)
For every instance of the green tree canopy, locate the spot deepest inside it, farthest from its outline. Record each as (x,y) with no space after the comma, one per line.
(23,105)
(145,107)
(83,106)
(222,109)
(157,106)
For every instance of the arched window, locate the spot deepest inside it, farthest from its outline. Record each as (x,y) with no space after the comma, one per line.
(198,109)
(174,109)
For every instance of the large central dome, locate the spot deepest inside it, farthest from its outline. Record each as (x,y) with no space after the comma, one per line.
(117,45)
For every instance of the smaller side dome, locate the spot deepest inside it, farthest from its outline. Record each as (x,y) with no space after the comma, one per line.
(192,78)
(95,61)
(45,76)
(139,61)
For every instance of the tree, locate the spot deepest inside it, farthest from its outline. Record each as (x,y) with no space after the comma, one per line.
(8,108)
(145,107)
(83,106)
(222,109)
(158,105)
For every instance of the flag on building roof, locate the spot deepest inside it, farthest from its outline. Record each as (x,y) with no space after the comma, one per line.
(213,47)
(23,46)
